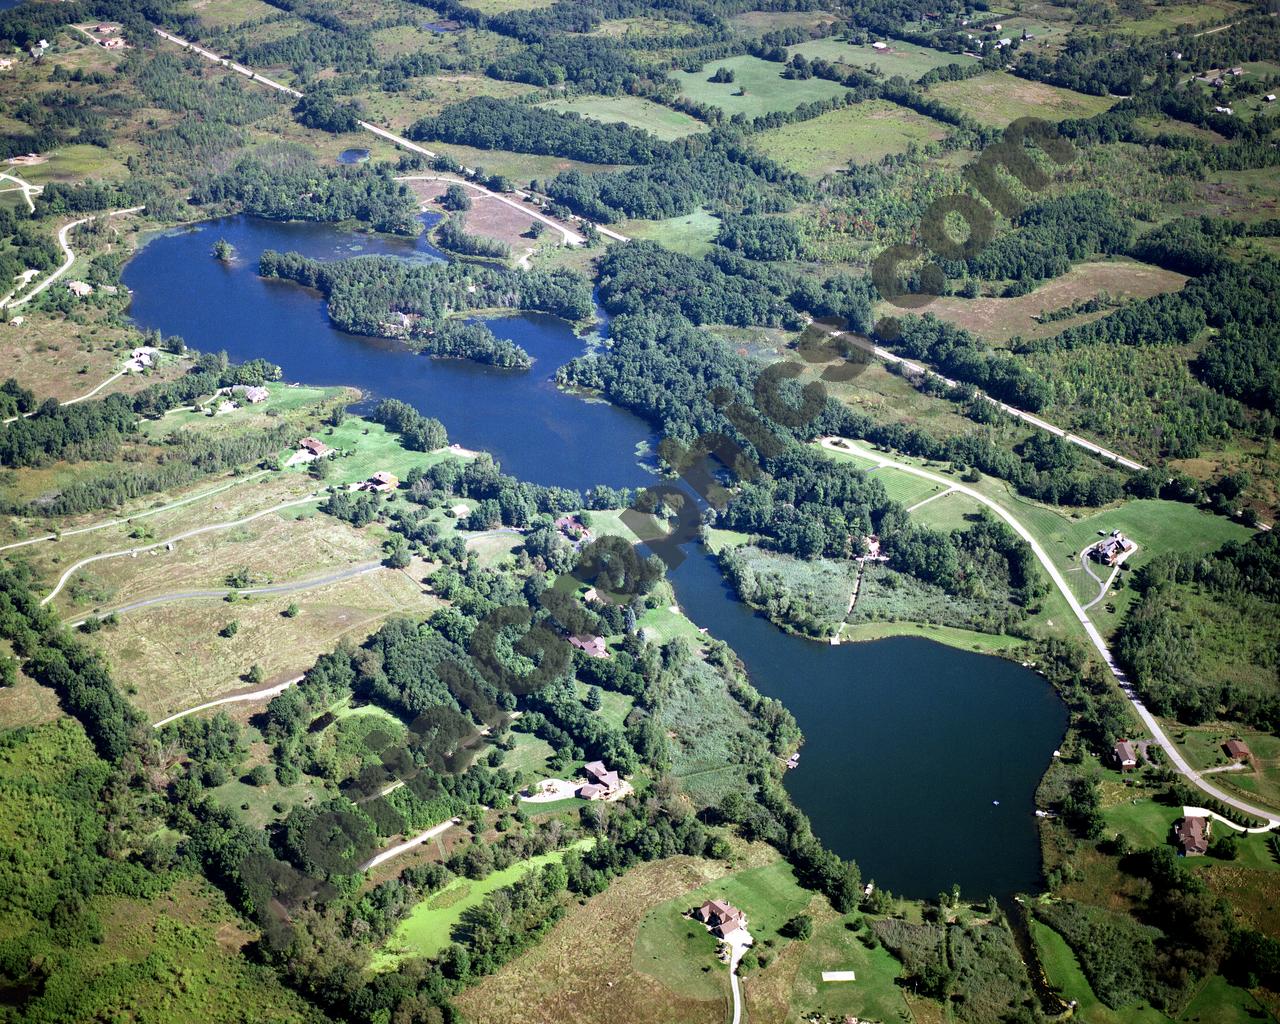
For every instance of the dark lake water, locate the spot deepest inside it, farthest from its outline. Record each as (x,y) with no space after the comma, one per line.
(353,156)
(908,743)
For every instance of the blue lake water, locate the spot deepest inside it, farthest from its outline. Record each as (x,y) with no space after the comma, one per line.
(909,744)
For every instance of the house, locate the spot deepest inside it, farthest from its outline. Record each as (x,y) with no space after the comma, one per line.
(1223,110)
(1270,97)
(1238,750)
(722,919)
(1111,550)
(1004,42)
(882,47)
(252,394)
(106,30)
(573,528)
(604,783)
(316,448)
(592,646)
(1126,756)
(381,481)
(1235,72)
(115,43)
(80,289)
(1192,836)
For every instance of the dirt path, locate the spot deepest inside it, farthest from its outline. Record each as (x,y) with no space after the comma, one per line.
(297,586)
(266,692)
(409,844)
(71,401)
(186,535)
(122,520)
(1091,631)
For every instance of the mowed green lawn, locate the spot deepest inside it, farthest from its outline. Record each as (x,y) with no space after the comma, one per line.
(763,88)
(857,134)
(691,234)
(372,448)
(1063,971)
(665,123)
(873,995)
(996,98)
(429,927)
(905,59)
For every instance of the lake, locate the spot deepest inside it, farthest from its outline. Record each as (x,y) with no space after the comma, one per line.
(353,156)
(909,744)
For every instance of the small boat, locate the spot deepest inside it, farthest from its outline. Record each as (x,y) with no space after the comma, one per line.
(793,761)
(995,803)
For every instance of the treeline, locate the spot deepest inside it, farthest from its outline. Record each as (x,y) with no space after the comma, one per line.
(319,108)
(301,189)
(489,123)
(417,432)
(450,235)
(760,238)
(387,297)
(724,175)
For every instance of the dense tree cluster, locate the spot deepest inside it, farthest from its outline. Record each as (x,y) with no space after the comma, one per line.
(489,123)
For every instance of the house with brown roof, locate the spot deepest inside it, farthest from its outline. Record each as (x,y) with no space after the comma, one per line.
(315,447)
(1238,750)
(1112,549)
(1192,836)
(602,776)
(252,393)
(381,481)
(722,919)
(1126,756)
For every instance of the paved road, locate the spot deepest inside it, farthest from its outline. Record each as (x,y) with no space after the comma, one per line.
(1095,637)
(570,237)
(1090,446)
(383,133)
(28,189)
(69,257)
(277,588)
(263,694)
(737,948)
(186,535)
(409,844)
(122,520)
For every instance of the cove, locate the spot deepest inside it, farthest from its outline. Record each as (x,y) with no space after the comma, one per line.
(535,430)
(907,742)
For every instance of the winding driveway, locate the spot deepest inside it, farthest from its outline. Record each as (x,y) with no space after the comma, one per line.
(267,691)
(186,535)
(277,588)
(1095,637)
(69,257)
(409,844)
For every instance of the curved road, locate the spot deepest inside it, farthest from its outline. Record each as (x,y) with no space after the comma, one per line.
(69,256)
(276,588)
(186,535)
(409,844)
(1095,637)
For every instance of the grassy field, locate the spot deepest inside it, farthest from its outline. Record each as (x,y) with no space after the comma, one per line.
(999,319)
(965,639)
(76,163)
(906,59)
(225,14)
(859,134)
(429,927)
(1202,747)
(587,969)
(690,234)
(951,511)
(763,88)
(996,98)
(1174,16)
(636,111)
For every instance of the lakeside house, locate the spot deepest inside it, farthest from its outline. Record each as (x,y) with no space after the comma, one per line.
(1111,549)
(1192,836)
(591,646)
(315,447)
(722,919)
(1126,756)
(604,782)
(141,358)
(1238,750)
(252,393)
(80,289)
(573,529)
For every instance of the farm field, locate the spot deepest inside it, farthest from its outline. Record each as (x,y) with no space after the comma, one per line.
(763,88)
(996,98)
(859,134)
(909,60)
(636,111)
(227,14)
(999,319)
(429,926)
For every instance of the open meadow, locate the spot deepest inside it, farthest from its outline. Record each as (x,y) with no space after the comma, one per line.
(665,123)
(908,60)
(757,87)
(997,98)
